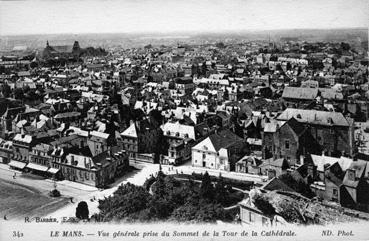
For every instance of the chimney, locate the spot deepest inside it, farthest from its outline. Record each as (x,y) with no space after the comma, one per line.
(301,160)
(354,158)
(22,133)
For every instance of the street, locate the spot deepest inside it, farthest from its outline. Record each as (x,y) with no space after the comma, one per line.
(79,192)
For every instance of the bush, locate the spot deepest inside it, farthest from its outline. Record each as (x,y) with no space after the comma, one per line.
(82,210)
(297,185)
(54,193)
(149,182)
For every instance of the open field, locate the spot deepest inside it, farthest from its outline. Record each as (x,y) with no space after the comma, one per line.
(18,201)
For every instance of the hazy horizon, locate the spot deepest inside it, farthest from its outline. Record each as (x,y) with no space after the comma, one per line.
(185,33)
(43,17)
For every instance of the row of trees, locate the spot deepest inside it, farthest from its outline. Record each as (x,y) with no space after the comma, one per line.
(169,199)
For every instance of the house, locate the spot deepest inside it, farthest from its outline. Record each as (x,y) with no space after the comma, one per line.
(40,159)
(141,137)
(321,162)
(6,151)
(8,117)
(291,140)
(180,138)
(218,151)
(293,95)
(22,146)
(79,165)
(178,152)
(354,189)
(274,167)
(248,164)
(332,130)
(98,142)
(185,85)
(254,213)
(225,119)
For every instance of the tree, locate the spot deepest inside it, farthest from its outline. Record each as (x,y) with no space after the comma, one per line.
(128,200)
(297,185)
(158,188)
(221,193)
(6,90)
(345,46)
(18,93)
(54,193)
(82,210)
(220,45)
(263,204)
(206,188)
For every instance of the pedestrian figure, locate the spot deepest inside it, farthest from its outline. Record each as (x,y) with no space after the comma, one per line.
(5,218)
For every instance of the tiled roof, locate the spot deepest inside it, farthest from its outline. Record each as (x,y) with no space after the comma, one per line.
(315,117)
(23,138)
(224,139)
(300,93)
(130,131)
(320,161)
(359,167)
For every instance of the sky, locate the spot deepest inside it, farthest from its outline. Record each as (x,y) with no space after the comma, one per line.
(19,17)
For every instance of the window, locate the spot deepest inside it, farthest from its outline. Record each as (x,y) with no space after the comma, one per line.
(265,222)
(251,217)
(335,192)
(287,144)
(204,156)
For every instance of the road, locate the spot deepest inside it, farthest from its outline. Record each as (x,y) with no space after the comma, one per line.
(81,192)
(42,184)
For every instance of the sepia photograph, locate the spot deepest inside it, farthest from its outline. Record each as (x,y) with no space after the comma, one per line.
(184,120)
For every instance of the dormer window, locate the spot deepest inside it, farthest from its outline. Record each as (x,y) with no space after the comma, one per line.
(330,120)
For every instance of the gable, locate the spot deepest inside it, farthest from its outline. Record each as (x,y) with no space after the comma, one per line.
(205,145)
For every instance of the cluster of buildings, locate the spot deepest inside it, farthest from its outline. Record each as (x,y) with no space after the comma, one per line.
(253,107)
